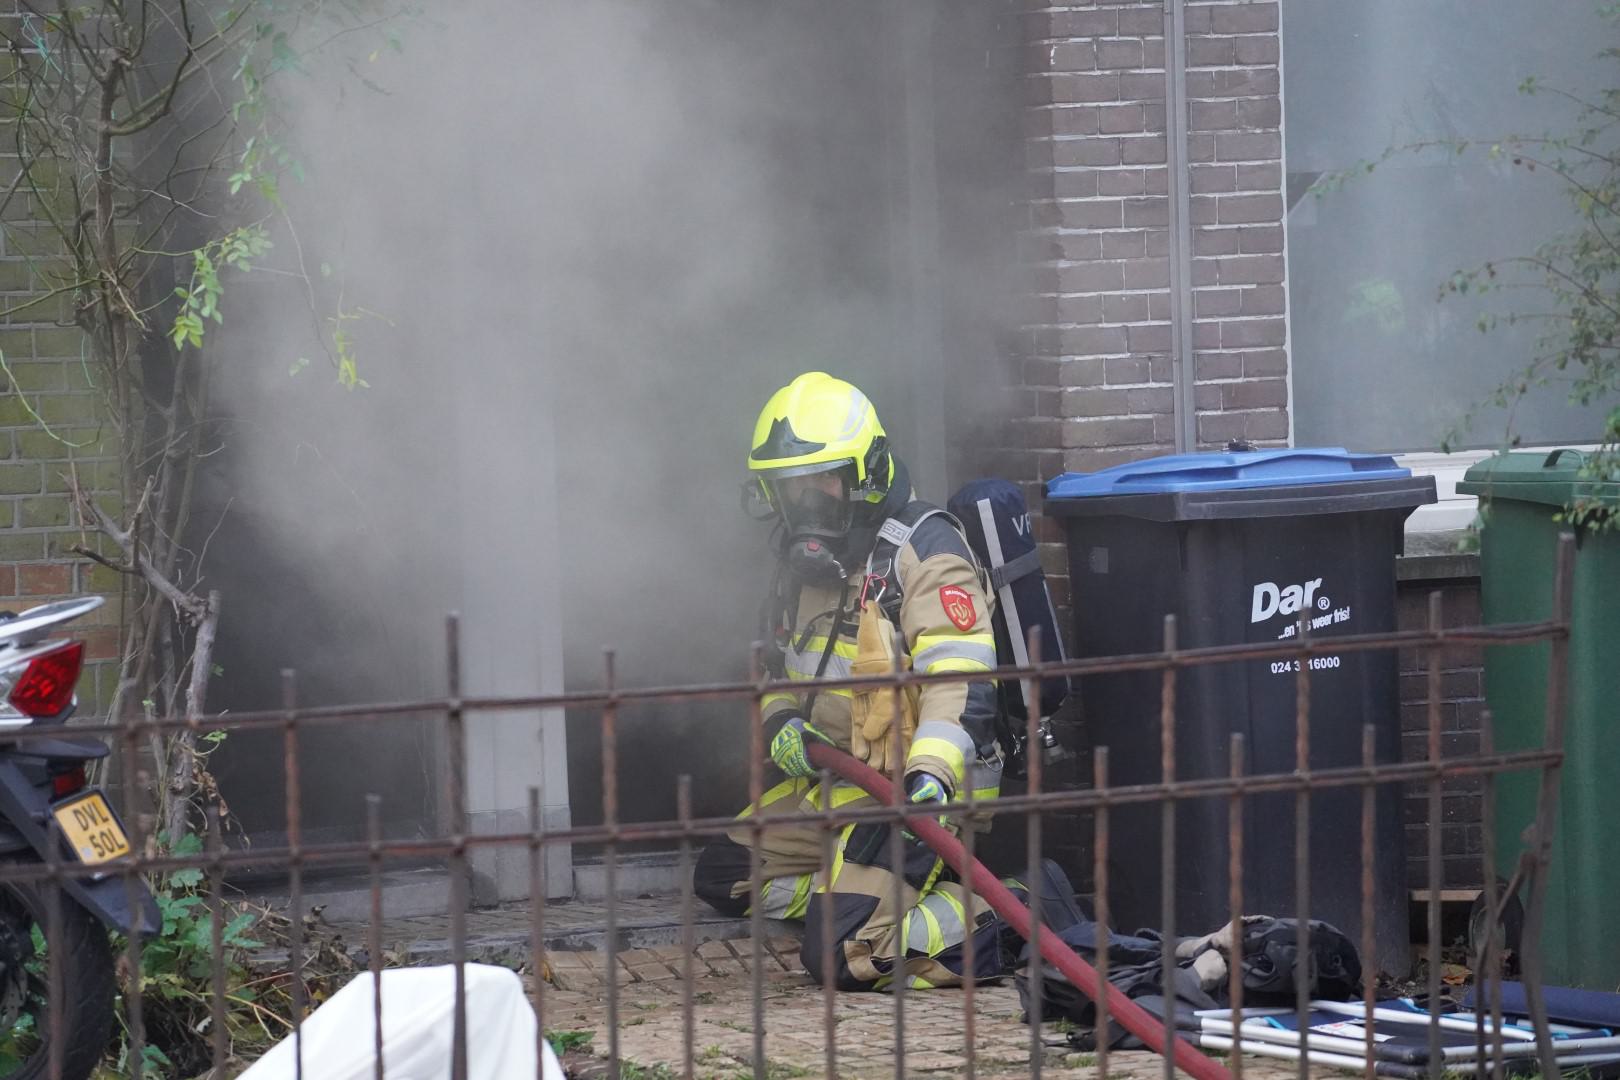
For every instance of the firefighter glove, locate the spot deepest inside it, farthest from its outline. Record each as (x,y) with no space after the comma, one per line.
(874,710)
(925,787)
(788,749)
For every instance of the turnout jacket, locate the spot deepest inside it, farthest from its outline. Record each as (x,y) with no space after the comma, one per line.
(943,625)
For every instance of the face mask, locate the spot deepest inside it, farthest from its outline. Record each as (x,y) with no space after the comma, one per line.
(817,527)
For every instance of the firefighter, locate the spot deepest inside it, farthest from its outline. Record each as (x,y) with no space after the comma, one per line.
(867,576)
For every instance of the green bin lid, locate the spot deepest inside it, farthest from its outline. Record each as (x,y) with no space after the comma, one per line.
(1554,479)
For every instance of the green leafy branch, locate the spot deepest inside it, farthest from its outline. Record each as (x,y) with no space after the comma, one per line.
(199,299)
(178,972)
(348,369)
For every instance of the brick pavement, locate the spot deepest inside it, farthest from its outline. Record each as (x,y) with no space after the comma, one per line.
(502,935)
(650,984)
(651,1022)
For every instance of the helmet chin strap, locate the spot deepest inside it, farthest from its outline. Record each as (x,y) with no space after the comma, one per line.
(869,517)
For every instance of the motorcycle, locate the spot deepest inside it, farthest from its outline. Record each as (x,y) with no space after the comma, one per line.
(45,798)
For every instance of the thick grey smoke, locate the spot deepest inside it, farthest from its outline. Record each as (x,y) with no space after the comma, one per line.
(595,237)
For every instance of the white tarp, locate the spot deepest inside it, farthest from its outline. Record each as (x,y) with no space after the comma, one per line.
(418,1019)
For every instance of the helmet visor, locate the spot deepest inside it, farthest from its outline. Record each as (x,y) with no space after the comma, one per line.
(815,468)
(814,498)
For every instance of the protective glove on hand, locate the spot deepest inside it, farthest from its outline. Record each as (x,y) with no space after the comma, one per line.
(924,787)
(788,746)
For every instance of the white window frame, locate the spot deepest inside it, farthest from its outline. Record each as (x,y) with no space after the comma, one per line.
(1452,511)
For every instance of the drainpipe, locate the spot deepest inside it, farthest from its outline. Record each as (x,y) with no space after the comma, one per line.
(1179,184)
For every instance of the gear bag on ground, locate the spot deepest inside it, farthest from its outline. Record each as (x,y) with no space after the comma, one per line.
(1269,950)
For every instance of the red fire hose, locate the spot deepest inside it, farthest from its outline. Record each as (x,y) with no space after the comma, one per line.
(1137,1020)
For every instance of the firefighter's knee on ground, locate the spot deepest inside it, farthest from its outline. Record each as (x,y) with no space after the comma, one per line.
(850,913)
(721,866)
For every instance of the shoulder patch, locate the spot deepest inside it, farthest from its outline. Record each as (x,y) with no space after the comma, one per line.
(938,536)
(958,605)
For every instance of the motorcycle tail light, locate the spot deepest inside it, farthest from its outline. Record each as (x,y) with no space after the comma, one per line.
(66,783)
(46,687)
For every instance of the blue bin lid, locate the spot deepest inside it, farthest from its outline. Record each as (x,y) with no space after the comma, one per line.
(1227,472)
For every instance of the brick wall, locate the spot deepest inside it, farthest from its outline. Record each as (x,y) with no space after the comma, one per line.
(1462,705)
(1096,385)
(51,427)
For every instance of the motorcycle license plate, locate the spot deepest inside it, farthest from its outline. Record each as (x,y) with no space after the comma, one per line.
(90,829)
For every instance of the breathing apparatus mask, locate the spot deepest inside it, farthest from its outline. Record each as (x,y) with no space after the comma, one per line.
(817,512)
(816,509)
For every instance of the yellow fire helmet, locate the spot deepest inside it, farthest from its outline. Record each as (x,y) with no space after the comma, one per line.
(817,423)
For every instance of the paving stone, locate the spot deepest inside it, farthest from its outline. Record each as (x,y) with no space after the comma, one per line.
(650,990)
(715,950)
(653,972)
(571,959)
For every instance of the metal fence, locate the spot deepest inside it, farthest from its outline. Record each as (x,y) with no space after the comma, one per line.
(686,831)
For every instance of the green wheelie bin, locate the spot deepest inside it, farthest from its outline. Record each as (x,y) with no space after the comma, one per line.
(1521,496)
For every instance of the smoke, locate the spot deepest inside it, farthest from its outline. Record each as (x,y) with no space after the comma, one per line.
(577,246)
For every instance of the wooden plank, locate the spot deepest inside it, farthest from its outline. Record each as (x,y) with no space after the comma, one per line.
(1447,896)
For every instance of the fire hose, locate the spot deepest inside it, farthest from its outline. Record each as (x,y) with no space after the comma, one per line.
(1135,1019)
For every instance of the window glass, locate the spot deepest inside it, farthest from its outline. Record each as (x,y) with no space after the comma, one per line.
(1379,362)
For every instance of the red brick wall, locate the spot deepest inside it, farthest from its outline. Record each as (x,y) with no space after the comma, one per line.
(1096,379)
(52,428)
(1462,705)
(1096,386)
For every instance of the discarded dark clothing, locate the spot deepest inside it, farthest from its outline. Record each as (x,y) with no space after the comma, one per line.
(1202,976)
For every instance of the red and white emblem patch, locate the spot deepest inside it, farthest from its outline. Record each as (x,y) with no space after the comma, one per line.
(958,604)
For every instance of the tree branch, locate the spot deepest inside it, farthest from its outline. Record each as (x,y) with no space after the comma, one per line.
(153,109)
(96,556)
(192,607)
(182,766)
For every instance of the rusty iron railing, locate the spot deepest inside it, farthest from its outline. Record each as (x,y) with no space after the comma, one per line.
(458,710)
